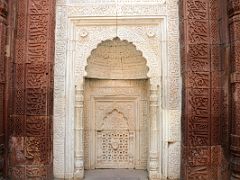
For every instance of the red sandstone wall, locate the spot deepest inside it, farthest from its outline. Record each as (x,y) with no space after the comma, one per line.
(202,89)
(3,41)
(30,125)
(205,64)
(234,26)
(226,97)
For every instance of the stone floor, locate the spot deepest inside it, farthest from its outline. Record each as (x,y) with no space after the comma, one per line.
(115,174)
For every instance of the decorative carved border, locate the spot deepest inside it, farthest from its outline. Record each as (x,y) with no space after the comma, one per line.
(30,123)
(202,89)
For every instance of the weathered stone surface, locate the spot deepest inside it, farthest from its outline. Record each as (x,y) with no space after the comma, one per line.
(3,86)
(234,20)
(30,123)
(85,46)
(202,89)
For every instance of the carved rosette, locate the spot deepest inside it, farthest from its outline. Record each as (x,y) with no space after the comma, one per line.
(234,20)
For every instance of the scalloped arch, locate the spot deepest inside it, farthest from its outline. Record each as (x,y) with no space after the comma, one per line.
(141,44)
(116,59)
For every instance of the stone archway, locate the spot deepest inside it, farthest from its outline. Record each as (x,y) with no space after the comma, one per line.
(115,107)
(116,81)
(80,27)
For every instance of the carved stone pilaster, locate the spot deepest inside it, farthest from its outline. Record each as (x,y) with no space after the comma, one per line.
(234,19)
(154,152)
(79,157)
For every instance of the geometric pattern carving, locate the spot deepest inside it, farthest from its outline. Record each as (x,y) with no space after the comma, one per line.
(114,149)
(119,126)
(17,173)
(18,125)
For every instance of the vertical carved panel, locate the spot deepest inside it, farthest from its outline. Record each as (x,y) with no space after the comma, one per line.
(33,91)
(234,20)
(119,127)
(202,88)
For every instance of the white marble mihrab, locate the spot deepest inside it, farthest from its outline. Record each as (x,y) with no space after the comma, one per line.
(153,28)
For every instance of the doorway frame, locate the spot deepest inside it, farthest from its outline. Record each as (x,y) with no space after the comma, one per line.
(69,86)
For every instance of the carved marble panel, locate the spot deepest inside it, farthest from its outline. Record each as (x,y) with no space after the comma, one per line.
(115,128)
